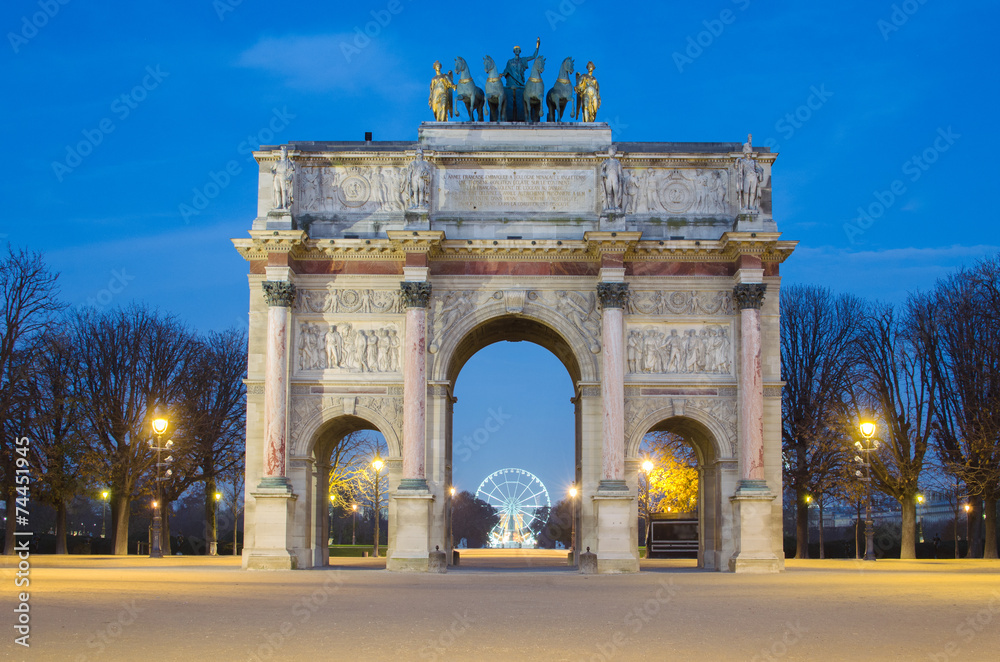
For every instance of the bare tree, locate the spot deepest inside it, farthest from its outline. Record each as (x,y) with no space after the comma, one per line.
(133,360)
(817,330)
(54,422)
(27,305)
(962,329)
(898,388)
(212,420)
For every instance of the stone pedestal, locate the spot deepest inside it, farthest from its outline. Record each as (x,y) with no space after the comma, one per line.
(273,518)
(280,219)
(614,541)
(752,533)
(411,548)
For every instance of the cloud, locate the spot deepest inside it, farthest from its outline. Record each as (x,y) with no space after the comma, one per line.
(327,63)
(889,274)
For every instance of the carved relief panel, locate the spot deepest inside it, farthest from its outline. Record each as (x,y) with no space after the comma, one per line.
(679,349)
(677,192)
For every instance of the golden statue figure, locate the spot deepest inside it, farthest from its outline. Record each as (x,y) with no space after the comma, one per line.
(588,95)
(440,97)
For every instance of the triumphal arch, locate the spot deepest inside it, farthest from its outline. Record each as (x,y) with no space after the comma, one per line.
(377,269)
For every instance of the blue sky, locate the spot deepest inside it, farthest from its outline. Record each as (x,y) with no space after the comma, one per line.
(885,107)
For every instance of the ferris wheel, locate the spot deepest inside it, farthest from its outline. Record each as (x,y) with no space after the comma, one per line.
(518,497)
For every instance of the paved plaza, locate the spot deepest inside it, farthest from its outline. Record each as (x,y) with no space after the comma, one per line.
(504,606)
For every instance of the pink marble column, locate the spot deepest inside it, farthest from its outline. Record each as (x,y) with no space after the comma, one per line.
(415,297)
(279,295)
(749,297)
(613,296)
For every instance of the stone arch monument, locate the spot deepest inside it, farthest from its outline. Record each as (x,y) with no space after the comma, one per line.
(392,263)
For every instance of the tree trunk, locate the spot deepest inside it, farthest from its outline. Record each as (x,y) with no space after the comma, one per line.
(120,507)
(8,538)
(801,526)
(908,544)
(990,528)
(822,553)
(211,530)
(61,528)
(236,521)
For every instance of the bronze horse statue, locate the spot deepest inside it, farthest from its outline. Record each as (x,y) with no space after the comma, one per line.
(467,91)
(534,91)
(561,93)
(496,95)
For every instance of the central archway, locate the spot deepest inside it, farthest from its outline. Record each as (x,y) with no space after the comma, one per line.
(569,346)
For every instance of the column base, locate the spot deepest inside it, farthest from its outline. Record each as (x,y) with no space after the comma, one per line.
(273,483)
(410,551)
(752,524)
(273,518)
(413,484)
(615,553)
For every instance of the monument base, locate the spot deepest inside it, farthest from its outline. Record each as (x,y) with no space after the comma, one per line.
(273,517)
(280,219)
(417,218)
(615,553)
(410,550)
(752,533)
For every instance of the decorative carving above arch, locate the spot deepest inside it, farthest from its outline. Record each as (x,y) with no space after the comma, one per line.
(311,414)
(718,415)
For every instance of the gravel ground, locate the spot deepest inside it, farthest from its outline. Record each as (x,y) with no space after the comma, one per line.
(502,606)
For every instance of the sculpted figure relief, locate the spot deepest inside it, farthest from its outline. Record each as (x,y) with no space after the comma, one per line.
(418,181)
(514,75)
(340,346)
(440,94)
(653,351)
(283,171)
(588,95)
(749,177)
(614,178)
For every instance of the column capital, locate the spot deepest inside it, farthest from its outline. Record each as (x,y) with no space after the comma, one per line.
(415,294)
(612,295)
(279,293)
(749,295)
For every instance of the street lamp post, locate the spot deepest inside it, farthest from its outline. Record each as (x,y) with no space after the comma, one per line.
(870,445)
(968,540)
(104,515)
(572,522)
(329,537)
(377,465)
(451,518)
(159,427)
(213,546)
(647,467)
(354,522)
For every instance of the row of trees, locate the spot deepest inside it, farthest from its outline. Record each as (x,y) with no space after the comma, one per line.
(82,387)
(927,372)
